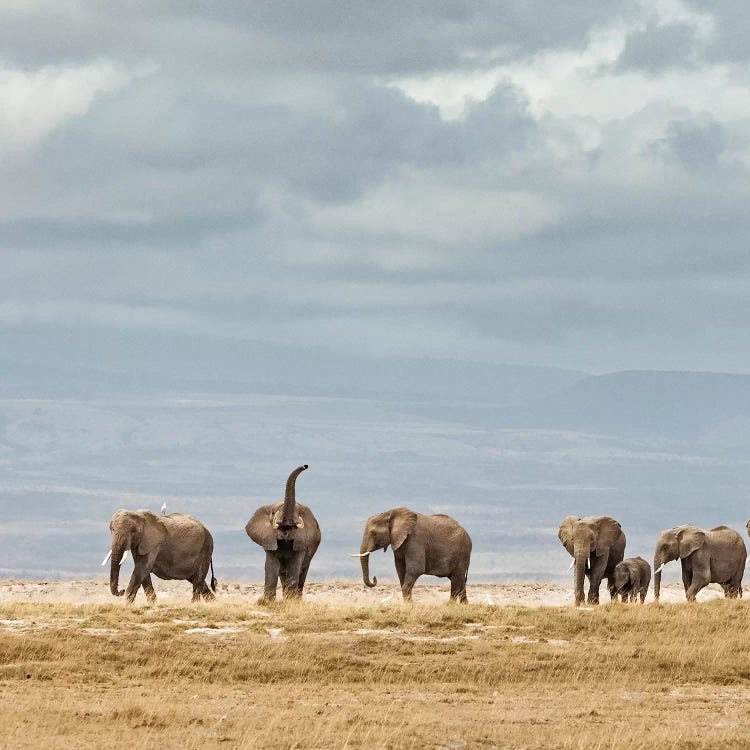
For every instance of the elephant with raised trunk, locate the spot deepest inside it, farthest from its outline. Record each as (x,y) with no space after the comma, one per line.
(632,577)
(714,556)
(289,533)
(174,547)
(432,545)
(597,545)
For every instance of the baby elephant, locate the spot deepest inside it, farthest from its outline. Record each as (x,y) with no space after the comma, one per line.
(632,577)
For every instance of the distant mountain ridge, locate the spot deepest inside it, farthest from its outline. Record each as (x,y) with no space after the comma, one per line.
(669,404)
(88,362)
(91,361)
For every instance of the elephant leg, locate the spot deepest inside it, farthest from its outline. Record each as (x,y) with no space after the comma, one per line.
(143,566)
(597,573)
(458,587)
(732,590)
(303,574)
(290,578)
(148,589)
(206,592)
(196,591)
(400,569)
(203,589)
(272,576)
(410,578)
(687,575)
(701,577)
(611,587)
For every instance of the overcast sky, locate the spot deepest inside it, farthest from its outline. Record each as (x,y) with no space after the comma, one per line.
(528,181)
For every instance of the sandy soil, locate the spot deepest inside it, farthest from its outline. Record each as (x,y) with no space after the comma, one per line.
(334,592)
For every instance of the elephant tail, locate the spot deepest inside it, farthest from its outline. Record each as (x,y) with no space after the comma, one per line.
(213,577)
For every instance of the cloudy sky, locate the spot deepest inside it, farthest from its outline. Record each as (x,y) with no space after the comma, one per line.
(543,183)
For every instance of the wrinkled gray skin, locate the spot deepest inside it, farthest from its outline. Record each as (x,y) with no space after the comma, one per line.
(432,545)
(174,547)
(632,578)
(714,556)
(290,535)
(597,545)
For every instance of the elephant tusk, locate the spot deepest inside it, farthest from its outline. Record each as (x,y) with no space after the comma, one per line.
(572,564)
(658,570)
(363,554)
(104,561)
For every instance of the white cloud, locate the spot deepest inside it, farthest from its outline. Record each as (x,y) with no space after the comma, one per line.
(33,104)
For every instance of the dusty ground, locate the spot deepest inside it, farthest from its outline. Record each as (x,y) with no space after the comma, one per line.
(339,593)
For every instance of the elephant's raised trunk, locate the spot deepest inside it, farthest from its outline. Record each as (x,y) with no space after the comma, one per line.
(287,515)
(118,550)
(581,555)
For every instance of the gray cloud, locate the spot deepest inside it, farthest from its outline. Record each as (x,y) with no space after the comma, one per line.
(228,38)
(257,172)
(731,28)
(694,144)
(657,48)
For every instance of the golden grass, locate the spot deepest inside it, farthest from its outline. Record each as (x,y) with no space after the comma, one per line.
(450,676)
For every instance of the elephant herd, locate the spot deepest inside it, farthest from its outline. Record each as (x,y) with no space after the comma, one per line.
(180,547)
(597,546)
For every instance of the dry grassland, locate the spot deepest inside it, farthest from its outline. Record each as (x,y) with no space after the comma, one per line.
(222,675)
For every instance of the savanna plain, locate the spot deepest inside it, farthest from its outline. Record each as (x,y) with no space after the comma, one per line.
(338,672)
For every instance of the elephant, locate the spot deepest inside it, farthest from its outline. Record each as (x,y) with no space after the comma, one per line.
(632,578)
(289,533)
(172,547)
(714,556)
(433,545)
(597,545)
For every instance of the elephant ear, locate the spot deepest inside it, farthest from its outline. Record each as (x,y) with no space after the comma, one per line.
(153,535)
(260,528)
(690,539)
(402,524)
(307,529)
(609,532)
(565,533)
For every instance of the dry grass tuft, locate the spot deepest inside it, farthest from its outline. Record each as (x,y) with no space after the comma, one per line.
(294,675)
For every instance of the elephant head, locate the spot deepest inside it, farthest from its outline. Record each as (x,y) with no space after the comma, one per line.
(672,544)
(282,521)
(139,531)
(622,577)
(389,528)
(581,537)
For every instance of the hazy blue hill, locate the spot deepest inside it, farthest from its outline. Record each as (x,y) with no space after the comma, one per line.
(89,361)
(675,405)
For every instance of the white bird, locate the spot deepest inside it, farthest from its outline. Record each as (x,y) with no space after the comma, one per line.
(164,509)
(489,600)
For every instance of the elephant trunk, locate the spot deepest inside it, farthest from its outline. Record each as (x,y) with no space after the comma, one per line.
(118,550)
(364,559)
(287,516)
(580,554)
(658,562)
